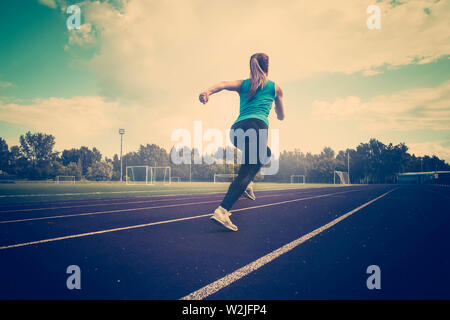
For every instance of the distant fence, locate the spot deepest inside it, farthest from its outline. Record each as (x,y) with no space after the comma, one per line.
(435,177)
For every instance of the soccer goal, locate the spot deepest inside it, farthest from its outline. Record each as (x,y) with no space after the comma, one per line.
(224,177)
(297,178)
(148,175)
(341,177)
(161,175)
(138,175)
(65,179)
(175,179)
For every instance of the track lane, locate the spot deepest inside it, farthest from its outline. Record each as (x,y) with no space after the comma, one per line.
(169,260)
(248,269)
(99,222)
(6,207)
(405,234)
(42,212)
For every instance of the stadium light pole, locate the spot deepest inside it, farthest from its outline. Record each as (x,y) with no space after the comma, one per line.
(121,132)
(190,167)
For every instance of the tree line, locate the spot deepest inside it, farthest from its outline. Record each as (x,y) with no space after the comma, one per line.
(372,162)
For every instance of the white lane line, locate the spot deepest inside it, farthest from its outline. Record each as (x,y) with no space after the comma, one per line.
(100,232)
(137,191)
(106,212)
(92,193)
(150,200)
(101,200)
(95,205)
(160,222)
(217,285)
(294,200)
(127,210)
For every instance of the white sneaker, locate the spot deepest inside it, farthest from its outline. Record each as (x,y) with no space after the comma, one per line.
(248,193)
(222,216)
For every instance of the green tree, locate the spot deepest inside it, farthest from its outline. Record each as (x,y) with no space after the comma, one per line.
(100,171)
(18,164)
(153,155)
(115,162)
(4,155)
(83,156)
(72,169)
(37,149)
(149,155)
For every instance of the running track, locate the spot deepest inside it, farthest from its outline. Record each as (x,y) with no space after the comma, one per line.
(291,244)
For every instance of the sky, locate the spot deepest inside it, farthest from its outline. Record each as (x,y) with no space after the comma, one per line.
(141,64)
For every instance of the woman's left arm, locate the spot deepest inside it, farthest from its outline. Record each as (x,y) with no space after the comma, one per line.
(224,85)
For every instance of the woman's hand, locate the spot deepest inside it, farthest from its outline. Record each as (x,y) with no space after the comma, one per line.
(204,97)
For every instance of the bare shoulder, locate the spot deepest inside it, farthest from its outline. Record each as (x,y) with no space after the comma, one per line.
(238,83)
(234,85)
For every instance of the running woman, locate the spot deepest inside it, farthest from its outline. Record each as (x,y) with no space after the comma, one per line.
(257,95)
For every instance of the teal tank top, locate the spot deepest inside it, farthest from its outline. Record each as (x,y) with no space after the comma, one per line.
(259,105)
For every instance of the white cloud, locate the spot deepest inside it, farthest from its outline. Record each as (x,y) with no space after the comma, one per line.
(438,148)
(72,121)
(162,53)
(48,3)
(94,121)
(149,49)
(85,37)
(54,4)
(415,109)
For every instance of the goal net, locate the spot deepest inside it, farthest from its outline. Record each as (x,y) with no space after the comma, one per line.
(148,175)
(161,175)
(65,179)
(341,177)
(175,179)
(297,178)
(224,177)
(138,175)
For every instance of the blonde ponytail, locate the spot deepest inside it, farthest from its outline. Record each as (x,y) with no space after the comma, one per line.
(259,64)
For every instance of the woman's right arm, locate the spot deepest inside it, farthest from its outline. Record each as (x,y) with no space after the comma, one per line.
(279,107)
(224,85)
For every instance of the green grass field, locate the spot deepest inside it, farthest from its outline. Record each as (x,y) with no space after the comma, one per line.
(50,192)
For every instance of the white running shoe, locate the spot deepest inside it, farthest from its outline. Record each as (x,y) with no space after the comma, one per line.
(222,216)
(248,193)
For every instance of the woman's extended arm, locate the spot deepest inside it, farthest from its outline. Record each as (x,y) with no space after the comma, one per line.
(224,85)
(279,108)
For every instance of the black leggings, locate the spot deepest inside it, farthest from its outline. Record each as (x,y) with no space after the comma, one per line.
(252,162)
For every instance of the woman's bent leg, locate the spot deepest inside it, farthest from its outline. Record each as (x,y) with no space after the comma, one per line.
(248,170)
(246,174)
